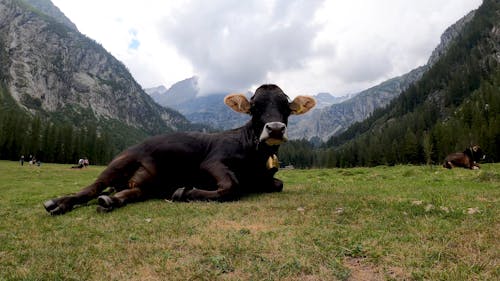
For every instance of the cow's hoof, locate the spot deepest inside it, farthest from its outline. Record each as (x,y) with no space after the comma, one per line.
(58,211)
(180,194)
(53,208)
(49,205)
(101,209)
(105,201)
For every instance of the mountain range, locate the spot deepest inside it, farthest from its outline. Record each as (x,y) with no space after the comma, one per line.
(57,84)
(209,109)
(332,115)
(455,104)
(50,69)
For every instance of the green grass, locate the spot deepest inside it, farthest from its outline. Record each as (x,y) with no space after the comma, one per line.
(387,223)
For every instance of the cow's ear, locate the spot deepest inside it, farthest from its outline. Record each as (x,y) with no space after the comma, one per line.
(302,104)
(238,103)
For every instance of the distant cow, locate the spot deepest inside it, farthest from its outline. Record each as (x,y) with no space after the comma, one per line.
(198,166)
(468,159)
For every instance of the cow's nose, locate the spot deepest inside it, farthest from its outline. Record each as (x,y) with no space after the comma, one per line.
(274,133)
(275,129)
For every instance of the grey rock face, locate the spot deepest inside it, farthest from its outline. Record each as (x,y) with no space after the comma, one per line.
(52,67)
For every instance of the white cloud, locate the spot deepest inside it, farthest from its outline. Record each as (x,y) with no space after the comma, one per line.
(304,46)
(234,46)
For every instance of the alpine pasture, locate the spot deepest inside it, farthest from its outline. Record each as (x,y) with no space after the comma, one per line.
(382,223)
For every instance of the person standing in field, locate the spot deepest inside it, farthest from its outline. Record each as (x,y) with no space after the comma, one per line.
(22,160)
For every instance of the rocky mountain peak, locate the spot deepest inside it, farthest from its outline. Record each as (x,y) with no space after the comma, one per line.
(179,93)
(52,69)
(46,7)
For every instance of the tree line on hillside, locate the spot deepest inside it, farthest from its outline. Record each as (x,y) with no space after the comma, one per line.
(418,137)
(21,134)
(412,140)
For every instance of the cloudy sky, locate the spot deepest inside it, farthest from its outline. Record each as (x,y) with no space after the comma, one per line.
(304,46)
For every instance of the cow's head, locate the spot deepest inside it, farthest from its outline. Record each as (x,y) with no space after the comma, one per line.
(270,109)
(475,152)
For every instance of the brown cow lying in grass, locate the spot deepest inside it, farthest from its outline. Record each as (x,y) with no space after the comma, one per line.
(468,159)
(199,166)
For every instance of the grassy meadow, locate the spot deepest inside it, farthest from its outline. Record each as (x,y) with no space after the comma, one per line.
(382,223)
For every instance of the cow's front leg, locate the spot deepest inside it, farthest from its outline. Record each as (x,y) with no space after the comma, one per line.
(64,204)
(227,185)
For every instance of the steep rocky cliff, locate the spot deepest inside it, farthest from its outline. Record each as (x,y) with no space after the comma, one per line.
(448,36)
(46,7)
(53,70)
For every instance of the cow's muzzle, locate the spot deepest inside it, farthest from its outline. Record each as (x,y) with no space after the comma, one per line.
(274,133)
